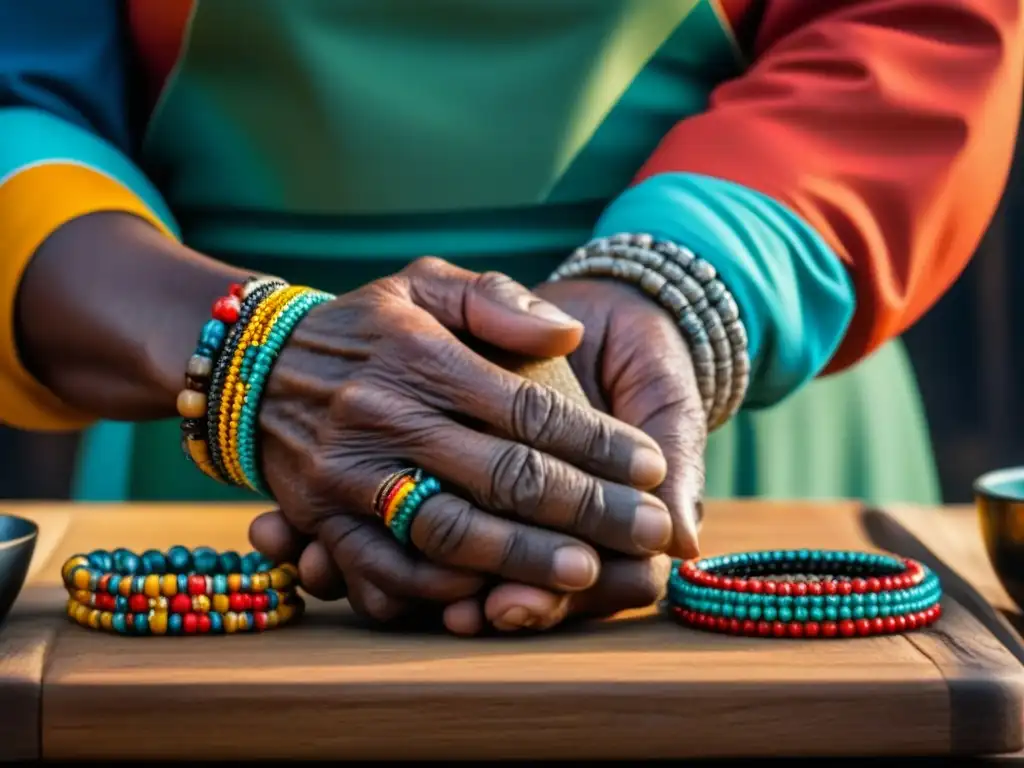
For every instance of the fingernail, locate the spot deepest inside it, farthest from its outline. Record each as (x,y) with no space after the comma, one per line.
(647,468)
(574,568)
(652,527)
(514,618)
(550,312)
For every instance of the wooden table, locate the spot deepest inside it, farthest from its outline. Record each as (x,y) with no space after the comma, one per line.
(636,688)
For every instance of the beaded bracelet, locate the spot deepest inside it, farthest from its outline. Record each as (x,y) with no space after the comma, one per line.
(689,289)
(236,368)
(805,593)
(194,401)
(179,592)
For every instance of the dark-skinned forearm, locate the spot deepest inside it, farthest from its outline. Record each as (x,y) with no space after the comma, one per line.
(109,311)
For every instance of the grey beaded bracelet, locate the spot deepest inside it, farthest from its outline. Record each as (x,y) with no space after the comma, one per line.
(688,287)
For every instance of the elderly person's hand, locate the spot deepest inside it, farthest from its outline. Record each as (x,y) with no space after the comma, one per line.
(632,362)
(379,380)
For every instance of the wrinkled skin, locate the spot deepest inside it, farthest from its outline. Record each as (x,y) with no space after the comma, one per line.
(633,365)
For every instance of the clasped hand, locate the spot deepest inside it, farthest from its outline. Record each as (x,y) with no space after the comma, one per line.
(547,507)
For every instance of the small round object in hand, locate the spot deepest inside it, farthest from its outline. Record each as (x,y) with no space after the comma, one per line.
(805,593)
(180,592)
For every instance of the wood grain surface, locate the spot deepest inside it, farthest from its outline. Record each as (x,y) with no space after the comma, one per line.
(632,688)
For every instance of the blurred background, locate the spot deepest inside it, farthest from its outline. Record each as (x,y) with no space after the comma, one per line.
(964,352)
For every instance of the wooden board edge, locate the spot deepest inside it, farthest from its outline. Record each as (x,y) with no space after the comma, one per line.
(27,651)
(982,663)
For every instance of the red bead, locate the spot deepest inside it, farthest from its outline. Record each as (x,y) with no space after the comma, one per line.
(873,584)
(739,585)
(912,621)
(749,627)
(863,627)
(890,624)
(734,626)
(847,628)
(785,590)
(764,628)
(756,586)
(812,629)
(799,589)
(196,585)
(260,620)
(938,611)
(130,620)
(778,629)
(235,602)
(770,587)
(844,587)
(190,623)
(138,604)
(260,602)
(722,625)
(815,588)
(226,309)
(859,586)
(106,602)
(235,289)
(887,583)
(795,629)
(831,587)
(901,623)
(829,629)
(203,623)
(180,604)
(878,625)
(725,583)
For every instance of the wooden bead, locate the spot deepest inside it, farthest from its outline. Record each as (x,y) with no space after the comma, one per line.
(191,404)
(199,367)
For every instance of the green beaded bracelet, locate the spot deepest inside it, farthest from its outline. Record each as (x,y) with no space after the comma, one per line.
(401,523)
(256,367)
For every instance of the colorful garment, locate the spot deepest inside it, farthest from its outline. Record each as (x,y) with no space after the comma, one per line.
(837,162)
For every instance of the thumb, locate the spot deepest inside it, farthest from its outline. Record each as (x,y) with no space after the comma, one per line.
(656,390)
(493,308)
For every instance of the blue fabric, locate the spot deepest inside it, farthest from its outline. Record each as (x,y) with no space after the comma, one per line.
(62,99)
(795,296)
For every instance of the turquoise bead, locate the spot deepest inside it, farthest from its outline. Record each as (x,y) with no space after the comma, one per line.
(204,560)
(230,562)
(101,559)
(179,559)
(153,561)
(125,561)
(211,337)
(114,584)
(174,624)
(216,623)
(119,623)
(141,623)
(220,584)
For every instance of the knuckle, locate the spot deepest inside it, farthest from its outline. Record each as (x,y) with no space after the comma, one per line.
(519,481)
(590,510)
(425,265)
(516,552)
(443,528)
(353,402)
(536,413)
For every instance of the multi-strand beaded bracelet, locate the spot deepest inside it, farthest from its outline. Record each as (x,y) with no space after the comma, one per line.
(179,592)
(225,377)
(805,593)
(689,289)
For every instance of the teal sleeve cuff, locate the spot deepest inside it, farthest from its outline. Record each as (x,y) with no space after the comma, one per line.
(795,296)
(34,137)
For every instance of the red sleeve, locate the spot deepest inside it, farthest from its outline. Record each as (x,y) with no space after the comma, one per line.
(888,125)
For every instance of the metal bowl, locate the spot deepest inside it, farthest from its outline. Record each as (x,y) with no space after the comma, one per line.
(999,496)
(17,543)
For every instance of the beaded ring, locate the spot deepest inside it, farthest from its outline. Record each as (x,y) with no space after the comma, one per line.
(399,498)
(805,593)
(179,592)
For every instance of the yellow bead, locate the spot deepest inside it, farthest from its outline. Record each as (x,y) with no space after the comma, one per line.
(243,621)
(169,584)
(124,587)
(158,603)
(221,603)
(230,622)
(191,404)
(284,612)
(279,578)
(94,618)
(158,622)
(107,620)
(151,585)
(83,596)
(234,582)
(82,614)
(272,619)
(260,582)
(81,578)
(74,562)
(201,603)
(199,451)
(72,607)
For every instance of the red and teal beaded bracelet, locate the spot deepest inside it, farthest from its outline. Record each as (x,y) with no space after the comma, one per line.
(805,593)
(179,592)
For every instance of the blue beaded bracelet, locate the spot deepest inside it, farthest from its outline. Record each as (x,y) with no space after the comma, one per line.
(401,523)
